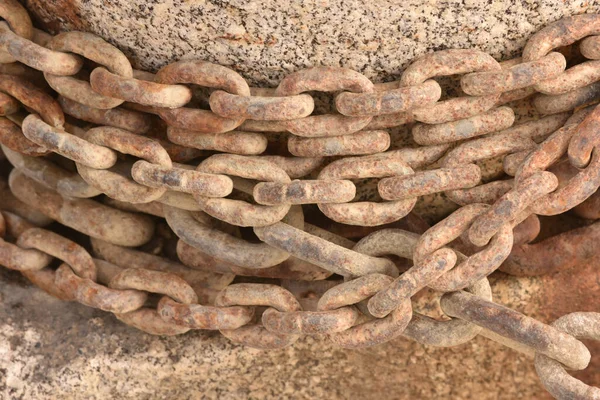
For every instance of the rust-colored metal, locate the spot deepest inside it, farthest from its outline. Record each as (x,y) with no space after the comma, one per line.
(220,244)
(305,192)
(132,121)
(320,252)
(8,104)
(512,140)
(235,142)
(83,215)
(560,33)
(253,294)
(208,199)
(388,101)
(590,47)
(309,322)
(196,316)
(552,104)
(12,137)
(51,175)
(510,205)
(552,373)
(518,327)
(516,77)
(37,56)
(181,178)
(115,184)
(34,98)
(92,48)
(476,266)
(67,145)
(367,213)
(573,78)
(94,295)
(585,138)
(491,121)
(427,182)
(450,62)
(261,108)
(125,257)
(238,212)
(57,246)
(17,18)
(138,91)
(364,142)
(155,282)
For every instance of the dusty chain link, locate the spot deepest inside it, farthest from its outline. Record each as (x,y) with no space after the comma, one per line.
(147,144)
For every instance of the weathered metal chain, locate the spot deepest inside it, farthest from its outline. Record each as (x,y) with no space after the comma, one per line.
(147,143)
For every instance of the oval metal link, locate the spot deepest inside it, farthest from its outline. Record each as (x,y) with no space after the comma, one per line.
(253,294)
(93,48)
(552,104)
(220,244)
(110,181)
(94,295)
(139,91)
(67,144)
(11,137)
(573,78)
(490,121)
(422,183)
(510,205)
(444,63)
(563,32)
(196,316)
(133,121)
(304,192)
(154,282)
(117,227)
(235,142)
(363,142)
(37,56)
(516,77)
(552,373)
(388,101)
(34,98)
(321,252)
(526,330)
(367,213)
(237,212)
(325,79)
(51,175)
(476,266)
(181,178)
(309,322)
(62,248)
(208,75)
(261,108)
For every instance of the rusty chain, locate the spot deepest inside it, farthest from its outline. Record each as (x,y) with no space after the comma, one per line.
(131,159)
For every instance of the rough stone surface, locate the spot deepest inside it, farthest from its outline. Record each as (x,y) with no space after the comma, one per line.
(52,349)
(266,39)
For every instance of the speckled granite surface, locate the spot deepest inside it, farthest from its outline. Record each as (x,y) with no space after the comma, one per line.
(49,349)
(266,39)
(55,350)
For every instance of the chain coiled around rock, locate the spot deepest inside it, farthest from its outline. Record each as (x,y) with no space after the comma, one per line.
(136,162)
